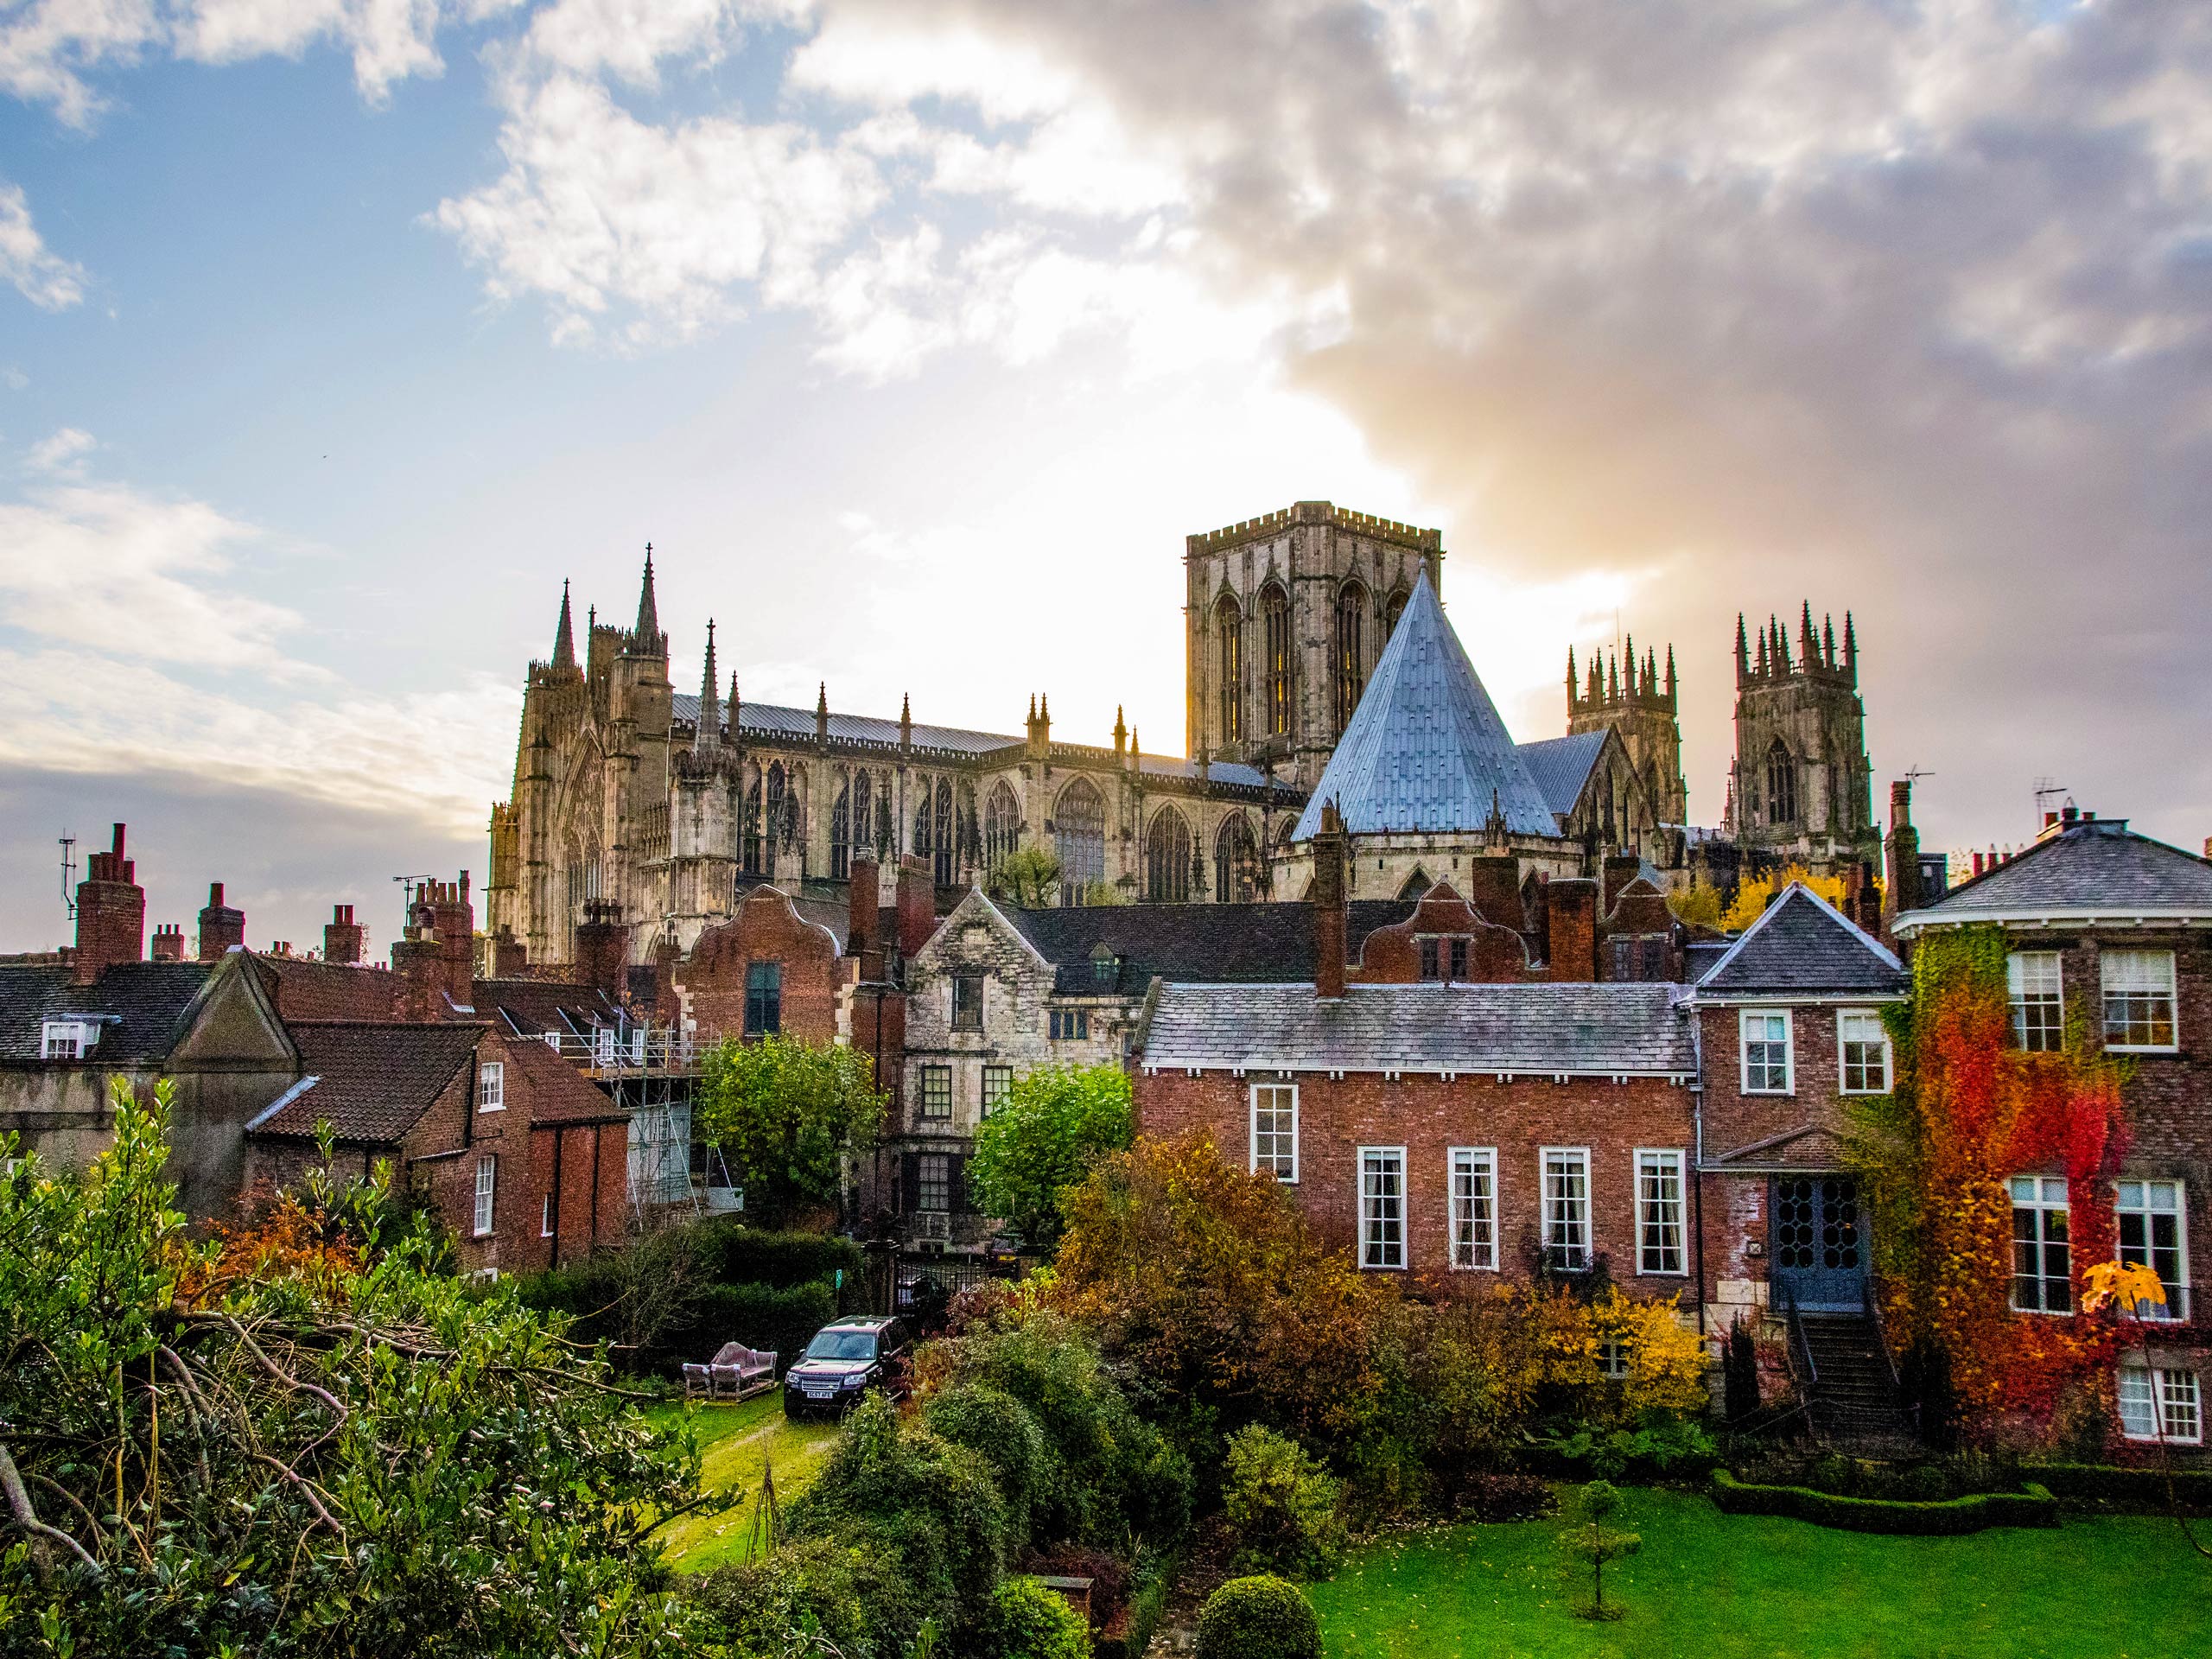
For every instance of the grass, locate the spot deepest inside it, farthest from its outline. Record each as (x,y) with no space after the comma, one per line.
(736,1442)
(1718,1586)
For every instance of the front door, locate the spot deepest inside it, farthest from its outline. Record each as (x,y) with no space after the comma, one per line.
(1819,1242)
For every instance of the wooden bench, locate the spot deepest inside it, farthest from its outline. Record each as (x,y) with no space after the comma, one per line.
(736,1372)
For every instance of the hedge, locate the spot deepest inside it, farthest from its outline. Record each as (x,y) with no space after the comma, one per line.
(738,1254)
(2033,1507)
(2131,1485)
(759,1316)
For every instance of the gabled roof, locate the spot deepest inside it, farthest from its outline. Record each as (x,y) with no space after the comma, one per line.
(1426,750)
(2091,868)
(370,1081)
(775,720)
(1615,1029)
(558,1092)
(1561,766)
(532,1007)
(147,1002)
(306,989)
(1803,944)
(1229,944)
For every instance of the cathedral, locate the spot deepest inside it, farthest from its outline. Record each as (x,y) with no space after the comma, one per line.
(1306,682)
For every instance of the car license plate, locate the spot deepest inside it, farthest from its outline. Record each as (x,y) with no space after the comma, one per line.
(817,1394)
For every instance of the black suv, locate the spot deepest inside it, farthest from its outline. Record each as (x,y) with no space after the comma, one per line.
(842,1363)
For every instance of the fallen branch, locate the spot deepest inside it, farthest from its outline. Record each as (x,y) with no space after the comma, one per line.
(19,1503)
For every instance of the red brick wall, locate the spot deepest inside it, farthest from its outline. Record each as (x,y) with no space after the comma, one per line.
(590,1162)
(765,929)
(1497,954)
(1428,1116)
(1733,1118)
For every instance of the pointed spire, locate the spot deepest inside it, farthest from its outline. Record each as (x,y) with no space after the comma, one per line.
(1766,638)
(1828,640)
(1808,651)
(729,708)
(564,636)
(1670,661)
(1121,733)
(646,636)
(1651,671)
(822,712)
(1570,680)
(1743,651)
(1850,649)
(1613,678)
(905,721)
(1631,664)
(709,738)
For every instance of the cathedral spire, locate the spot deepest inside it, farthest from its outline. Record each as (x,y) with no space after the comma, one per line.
(709,739)
(1809,652)
(906,722)
(1121,733)
(1827,640)
(647,633)
(1613,678)
(564,636)
(1571,688)
(1743,651)
(1766,637)
(822,713)
(1670,661)
(1850,649)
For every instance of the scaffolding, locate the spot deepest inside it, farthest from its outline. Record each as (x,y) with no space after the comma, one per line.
(652,1072)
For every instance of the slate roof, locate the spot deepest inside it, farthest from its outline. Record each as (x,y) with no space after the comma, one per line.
(2091,866)
(1608,1029)
(372,1080)
(148,999)
(1226,943)
(1426,749)
(1561,765)
(776,720)
(1801,942)
(558,1092)
(533,1006)
(1218,772)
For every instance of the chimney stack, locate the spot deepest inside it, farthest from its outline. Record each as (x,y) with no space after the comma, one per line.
(222,929)
(342,936)
(1570,928)
(437,957)
(111,914)
(864,900)
(168,941)
(510,956)
(602,949)
(1903,856)
(1330,921)
(916,902)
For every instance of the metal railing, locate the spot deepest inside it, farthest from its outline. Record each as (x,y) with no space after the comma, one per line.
(633,1051)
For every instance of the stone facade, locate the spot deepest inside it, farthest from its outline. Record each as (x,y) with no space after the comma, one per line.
(1802,786)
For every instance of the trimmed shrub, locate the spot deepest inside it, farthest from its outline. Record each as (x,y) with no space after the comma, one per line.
(2130,1488)
(1951,1517)
(999,1429)
(1029,1621)
(1504,1497)
(815,1588)
(1259,1618)
(1282,1504)
(737,1254)
(759,1316)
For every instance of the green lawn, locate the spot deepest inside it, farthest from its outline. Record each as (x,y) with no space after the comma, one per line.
(1715,1586)
(737,1442)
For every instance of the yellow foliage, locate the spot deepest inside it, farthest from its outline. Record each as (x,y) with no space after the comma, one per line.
(1753,893)
(1695,907)
(2124,1287)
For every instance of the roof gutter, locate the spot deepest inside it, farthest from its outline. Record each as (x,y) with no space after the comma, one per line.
(1931,920)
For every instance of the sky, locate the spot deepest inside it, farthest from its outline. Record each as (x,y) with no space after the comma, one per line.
(916,334)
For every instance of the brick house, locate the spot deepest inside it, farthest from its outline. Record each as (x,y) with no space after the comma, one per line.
(2111,932)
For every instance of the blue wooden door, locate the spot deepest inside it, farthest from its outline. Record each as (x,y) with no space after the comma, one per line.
(1818,1242)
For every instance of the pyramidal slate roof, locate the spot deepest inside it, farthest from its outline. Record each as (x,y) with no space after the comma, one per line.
(1426,749)
(1561,765)
(2091,868)
(1802,943)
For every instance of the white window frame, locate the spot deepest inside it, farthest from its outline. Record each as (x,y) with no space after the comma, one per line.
(545,1213)
(1544,1157)
(1663,1160)
(66,1040)
(2177,1307)
(1480,1254)
(2171,991)
(2047,969)
(1252,1127)
(1744,1041)
(986,1102)
(1843,1050)
(1371,1250)
(492,1086)
(2035,1193)
(1613,1358)
(488,1189)
(924,1186)
(930,1074)
(2152,1400)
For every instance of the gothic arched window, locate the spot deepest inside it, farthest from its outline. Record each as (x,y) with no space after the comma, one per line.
(1393,608)
(942,842)
(772,824)
(1167,859)
(1079,838)
(840,833)
(1352,631)
(749,828)
(922,845)
(1781,784)
(1235,862)
(1002,825)
(863,816)
(1229,634)
(1274,627)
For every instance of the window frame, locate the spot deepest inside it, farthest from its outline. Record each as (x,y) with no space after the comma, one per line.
(492,1086)
(923,1185)
(485,1214)
(1252,1128)
(2178,1309)
(1069,1025)
(971,1017)
(2172,993)
(1371,1245)
(2021,1000)
(1483,1159)
(1843,1046)
(1545,1217)
(994,1072)
(764,1002)
(545,1214)
(1744,1039)
(70,1033)
(934,1083)
(2039,1204)
(2155,1386)
(1646,1205)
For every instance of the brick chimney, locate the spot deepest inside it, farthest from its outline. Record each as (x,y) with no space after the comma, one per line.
(437,957)
(1330,921)
(1570,928)
(602,949)
(1904,855)
(916,902)
(667,954)
(111,914)
(1494,887)
(510,956)
(1620,870)
(342,936)
(863,919)
(221,928)
(168,941)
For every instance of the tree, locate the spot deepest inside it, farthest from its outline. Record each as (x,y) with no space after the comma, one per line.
(1587,1536)
(1054,1124)
(1695,907)
(301,1439)
(1755,893)
(1283,1505)
(1740,1373)
(1027,878)
(787,1115)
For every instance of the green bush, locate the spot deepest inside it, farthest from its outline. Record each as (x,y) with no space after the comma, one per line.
(1259,1618)
(1029,1621)
(1951,1517)
(737,1254)
(1282,1504)
(999,1429)
(813,1588)
(2133,1488)
(759,1316)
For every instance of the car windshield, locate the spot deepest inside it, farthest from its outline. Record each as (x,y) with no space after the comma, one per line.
(841,1345)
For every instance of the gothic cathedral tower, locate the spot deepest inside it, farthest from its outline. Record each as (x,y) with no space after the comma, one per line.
(1642,708)
(1802,788)
(1284,618)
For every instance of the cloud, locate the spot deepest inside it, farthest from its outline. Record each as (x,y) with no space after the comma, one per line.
(62,455)
(41,275)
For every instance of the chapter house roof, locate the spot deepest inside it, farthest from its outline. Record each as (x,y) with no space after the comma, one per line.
(1561,766)
(1426,750)
(1239,943)
(2089,868)
(1802,944)
(1609,1029)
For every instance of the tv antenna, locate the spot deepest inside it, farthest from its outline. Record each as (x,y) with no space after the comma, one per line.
(407,898)
(69,874)
(2045,788)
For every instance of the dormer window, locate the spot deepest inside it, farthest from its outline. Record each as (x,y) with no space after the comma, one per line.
(66,1039)
(1105,966)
